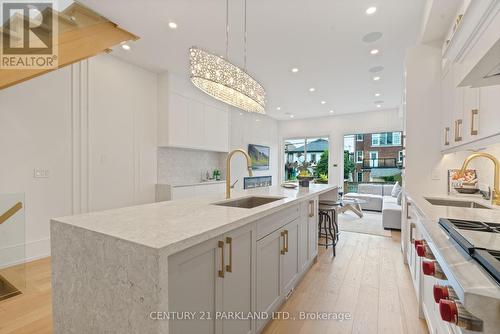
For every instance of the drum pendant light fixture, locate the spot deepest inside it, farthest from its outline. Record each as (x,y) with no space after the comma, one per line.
(224,81)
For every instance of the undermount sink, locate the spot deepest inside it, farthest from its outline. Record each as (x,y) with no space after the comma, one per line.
(249,202)
(460,204)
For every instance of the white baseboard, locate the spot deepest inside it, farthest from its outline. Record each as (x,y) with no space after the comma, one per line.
(27,252)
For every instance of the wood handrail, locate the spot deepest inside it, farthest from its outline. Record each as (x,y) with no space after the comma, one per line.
(9,213)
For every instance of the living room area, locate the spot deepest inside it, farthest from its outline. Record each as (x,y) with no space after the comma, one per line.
(373,172)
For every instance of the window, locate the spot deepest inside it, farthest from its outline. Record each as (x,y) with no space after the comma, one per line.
(360,176)
(373,159)
(359,157)
(396,138)
(314,151)
(400,156)
(386,139)
(359,137)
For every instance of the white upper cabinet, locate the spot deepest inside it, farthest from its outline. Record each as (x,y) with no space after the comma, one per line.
(189,119)
(470,116)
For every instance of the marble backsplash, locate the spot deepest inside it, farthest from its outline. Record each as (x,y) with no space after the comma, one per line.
(182,166)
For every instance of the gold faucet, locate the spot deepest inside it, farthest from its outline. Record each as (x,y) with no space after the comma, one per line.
(496,191)
(228,169)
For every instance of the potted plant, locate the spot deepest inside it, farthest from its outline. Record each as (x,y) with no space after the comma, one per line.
(304,174)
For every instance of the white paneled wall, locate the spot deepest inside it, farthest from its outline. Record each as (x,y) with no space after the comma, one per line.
(93,126)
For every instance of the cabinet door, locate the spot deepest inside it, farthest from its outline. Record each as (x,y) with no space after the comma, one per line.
(178,120)
(196,129)
(447,109)
(237,282)
(290,267)
(183,192)
(458,112)
(489,111)
(312,214)
(193,286)
(303,241)
(471,116)
(268,273)
(216,129)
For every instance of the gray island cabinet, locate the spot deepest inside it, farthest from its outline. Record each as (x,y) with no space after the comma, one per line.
(183,266)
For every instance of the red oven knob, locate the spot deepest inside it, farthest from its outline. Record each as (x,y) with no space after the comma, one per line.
(428,268)
(440,292)
(418,242)
(420,250)
(448,310)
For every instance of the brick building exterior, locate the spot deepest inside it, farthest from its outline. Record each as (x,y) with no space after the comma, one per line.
(377,155)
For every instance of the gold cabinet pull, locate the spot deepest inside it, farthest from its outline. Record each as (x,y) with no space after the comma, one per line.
(408,216)
(458,130)
(284,243)
(229,267)
(9,213)
(311,208)
(473,115)
(222,272)
(447,136)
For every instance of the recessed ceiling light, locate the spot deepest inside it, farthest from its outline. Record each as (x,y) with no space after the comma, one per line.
(372,37)
(376,78)
(125,47)
(278,108)
(312,89)
(172,25)
(377,94)
(376,69)
(331,111)
(371,10)
(323,102)
(378,105)
(291,116)
(374,51)
(295,70)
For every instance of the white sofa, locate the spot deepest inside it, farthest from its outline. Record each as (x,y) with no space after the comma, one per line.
(378,198)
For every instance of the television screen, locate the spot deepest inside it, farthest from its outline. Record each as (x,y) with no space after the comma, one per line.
(260,156)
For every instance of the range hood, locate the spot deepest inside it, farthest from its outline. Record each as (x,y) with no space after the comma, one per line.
(487,70)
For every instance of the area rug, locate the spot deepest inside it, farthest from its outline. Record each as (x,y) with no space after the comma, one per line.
(371,223)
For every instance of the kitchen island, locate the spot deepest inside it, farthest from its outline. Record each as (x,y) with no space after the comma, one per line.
(134,269)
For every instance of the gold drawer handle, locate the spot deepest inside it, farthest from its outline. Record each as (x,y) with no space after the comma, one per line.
(222,272)
(473,116)
(458,130)
(283,251)
(12,211)
(311,208)
(412,226)
(286,241)
(229,267)
(447,136)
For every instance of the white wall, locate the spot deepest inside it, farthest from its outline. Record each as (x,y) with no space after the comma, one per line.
(249,128)
(93,126)
(336,127)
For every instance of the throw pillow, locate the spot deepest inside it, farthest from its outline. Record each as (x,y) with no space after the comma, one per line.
(400,197)
(396,190)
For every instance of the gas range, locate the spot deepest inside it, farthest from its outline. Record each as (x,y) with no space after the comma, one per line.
(481,240)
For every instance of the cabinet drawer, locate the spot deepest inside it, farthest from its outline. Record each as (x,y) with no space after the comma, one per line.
(273,222)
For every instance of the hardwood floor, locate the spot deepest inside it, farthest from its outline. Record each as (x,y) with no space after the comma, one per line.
(367,278)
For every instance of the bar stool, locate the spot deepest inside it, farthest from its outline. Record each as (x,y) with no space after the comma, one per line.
(328,223)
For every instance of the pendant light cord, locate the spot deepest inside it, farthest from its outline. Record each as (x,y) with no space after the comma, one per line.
(245,38)
(227,29)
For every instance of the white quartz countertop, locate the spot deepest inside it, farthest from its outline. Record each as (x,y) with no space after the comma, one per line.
(473,279)
(176,225)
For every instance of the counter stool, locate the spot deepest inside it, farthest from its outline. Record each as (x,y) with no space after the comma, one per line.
(328,223)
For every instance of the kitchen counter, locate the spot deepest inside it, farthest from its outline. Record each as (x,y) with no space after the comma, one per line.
(191,184)
(477,289)
(175,225)
(112,269)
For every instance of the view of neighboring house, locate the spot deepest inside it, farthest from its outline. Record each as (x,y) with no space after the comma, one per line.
(299,150)
(378,157)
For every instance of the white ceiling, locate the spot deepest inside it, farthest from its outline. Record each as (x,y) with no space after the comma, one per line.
(323,38)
